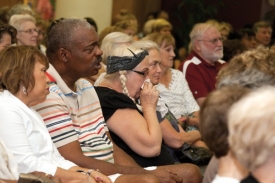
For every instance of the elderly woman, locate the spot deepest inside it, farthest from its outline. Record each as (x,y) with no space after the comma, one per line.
(252,137)
(27,33)
(24,84)
(135,128)
(7,35)
(173,134)
(172,85)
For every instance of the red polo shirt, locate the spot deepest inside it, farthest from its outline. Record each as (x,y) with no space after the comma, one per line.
(200,75)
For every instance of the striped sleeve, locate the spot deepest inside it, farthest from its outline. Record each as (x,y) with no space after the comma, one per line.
(56,116)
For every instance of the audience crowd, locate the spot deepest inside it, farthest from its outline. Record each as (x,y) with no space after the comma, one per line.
(78,105)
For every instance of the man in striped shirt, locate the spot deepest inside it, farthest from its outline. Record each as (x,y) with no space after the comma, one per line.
(72,111)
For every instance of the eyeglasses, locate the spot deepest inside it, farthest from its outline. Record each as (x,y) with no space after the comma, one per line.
(30,31)
(213,41)
(144,73)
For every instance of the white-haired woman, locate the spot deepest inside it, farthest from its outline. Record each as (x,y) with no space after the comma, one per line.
(26,29)
(252,133)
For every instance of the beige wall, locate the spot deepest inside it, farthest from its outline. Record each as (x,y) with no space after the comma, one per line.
(99,10)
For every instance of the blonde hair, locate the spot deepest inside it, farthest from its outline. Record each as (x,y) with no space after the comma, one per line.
(122,51)
(159,24)
(111,41)
(252,128)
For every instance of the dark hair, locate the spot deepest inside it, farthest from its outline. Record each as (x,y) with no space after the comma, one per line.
(5,28)
(17,66)
(213,115)
(61,34)
(243,33)
(92,22)
(232,48)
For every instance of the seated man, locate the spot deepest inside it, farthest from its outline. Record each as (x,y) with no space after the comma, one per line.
(263,32)
(202,64)
(72,111)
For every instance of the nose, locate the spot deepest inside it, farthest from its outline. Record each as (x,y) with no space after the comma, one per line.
(99,52)
(158,68)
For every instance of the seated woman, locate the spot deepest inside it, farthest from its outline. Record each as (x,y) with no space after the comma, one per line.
(135,128)
(251,137)
(27,33)
(173,134)
(24,84)
(7,34)
(173,87)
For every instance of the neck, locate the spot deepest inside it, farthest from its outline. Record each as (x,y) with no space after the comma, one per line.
(23,97)
(230,167)
(164,71)
(263,174)
(205,59)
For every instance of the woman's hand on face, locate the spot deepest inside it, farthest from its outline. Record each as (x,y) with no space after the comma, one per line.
(149,95)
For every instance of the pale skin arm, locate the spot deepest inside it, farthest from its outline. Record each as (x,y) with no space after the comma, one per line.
(141,133)
(200,101)
(176,139)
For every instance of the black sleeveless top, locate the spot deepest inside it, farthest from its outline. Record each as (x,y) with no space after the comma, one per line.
(110,101)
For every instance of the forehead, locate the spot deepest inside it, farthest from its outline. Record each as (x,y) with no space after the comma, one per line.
(85,37)
(154,56)
(27,24)
(143,64)
(263,29)
(212,32)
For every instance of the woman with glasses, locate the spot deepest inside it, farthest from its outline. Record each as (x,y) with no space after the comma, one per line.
(138,135)
(7,34)
(26,29)
(173,87)
(135,128)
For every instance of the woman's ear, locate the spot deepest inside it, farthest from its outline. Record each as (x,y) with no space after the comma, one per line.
(62,54)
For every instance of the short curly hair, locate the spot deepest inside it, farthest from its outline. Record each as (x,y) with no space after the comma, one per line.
(260,58)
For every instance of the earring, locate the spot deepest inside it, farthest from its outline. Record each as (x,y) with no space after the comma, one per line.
(24,90)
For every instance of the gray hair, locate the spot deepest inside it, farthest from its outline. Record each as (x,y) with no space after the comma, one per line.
(198,30)
(250,78)
(20,9)
(17,20)
(62,33)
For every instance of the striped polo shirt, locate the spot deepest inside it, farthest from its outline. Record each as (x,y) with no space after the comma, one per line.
(71,116)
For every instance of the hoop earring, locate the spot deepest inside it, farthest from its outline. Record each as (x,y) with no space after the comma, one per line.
(24,90)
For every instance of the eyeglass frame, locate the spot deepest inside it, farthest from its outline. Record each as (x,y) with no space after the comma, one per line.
(29,31)
(213,41)
(144,73)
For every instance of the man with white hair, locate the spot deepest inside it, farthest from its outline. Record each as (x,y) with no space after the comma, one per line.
(202,64)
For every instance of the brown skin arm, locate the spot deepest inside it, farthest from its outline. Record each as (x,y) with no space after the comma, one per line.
(120,157)
(73,152)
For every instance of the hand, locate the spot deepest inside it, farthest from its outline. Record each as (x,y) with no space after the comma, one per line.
(149,95)
(99,177)
(182,120)
(166,175)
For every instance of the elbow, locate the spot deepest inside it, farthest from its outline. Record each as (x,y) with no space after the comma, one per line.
(150,151)
(174,142)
